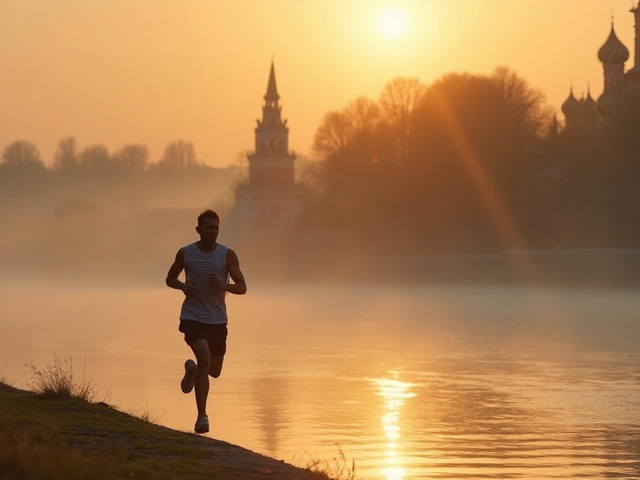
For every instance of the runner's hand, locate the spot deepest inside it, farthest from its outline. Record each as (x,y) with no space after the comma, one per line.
(216,282)
(190,289)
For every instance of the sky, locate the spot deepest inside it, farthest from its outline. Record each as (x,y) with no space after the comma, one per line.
(153,71)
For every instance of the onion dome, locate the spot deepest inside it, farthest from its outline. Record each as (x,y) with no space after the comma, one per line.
(612,104)
(571,105)
(589,104)
(613,51)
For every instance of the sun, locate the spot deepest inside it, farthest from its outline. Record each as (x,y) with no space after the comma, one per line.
(393,22)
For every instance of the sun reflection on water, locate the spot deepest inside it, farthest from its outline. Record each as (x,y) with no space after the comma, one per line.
(394,393)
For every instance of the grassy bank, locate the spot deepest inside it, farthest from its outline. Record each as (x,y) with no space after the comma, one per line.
(44,436)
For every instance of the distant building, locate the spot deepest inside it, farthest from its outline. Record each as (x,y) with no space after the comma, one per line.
(621,95)
(269,202)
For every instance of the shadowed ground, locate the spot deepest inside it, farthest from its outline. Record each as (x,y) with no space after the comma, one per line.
(40,436)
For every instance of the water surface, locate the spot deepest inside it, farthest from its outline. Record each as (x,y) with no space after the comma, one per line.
(410,382)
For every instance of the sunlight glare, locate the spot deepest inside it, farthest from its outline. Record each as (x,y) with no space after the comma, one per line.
(394,393)
(393,22)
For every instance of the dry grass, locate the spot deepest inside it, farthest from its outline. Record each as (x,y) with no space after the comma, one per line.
(58,432)
(3,378)
(145,415)
(60,381)
(338,468)
(71,439)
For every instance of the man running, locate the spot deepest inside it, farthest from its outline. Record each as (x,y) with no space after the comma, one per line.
(203,317)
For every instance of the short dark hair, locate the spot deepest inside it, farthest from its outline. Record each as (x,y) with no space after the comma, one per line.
(207,214)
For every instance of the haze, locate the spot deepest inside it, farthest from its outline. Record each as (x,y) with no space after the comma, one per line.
(445,285)
(153,71)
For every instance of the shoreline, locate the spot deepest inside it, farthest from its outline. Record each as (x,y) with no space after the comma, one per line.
(73,434)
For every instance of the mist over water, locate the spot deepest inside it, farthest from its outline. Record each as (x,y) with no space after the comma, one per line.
(411,381)
(469,362)
(443,286)
(515,364)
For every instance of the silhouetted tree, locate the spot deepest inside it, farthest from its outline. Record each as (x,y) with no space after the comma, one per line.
(526,113)
(95,157)
(241,168)
(398,101)
(22,156)
(454,148)
(364,115)
(132,158)
(333,135)
(66,156)
(341,128)
(179,155)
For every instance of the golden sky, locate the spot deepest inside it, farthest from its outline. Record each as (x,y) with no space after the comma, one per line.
(153,71)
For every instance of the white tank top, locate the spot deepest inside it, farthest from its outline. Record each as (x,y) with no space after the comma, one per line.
(208,306)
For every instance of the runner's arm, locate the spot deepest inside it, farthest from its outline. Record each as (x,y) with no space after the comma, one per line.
(175,270)
(239,285)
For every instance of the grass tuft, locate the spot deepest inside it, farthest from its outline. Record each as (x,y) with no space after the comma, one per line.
(339,468)
(60,381)
(75,438)
(3,379)
(145,415)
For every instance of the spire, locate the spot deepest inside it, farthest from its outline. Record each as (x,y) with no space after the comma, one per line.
(589,104)
(272,90)
(636,14)
(589,97)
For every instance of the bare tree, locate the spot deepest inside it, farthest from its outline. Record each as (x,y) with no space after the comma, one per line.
(398,101)
(333,134)
(340,128)
(364,114)
(240,166)
(22,154)
(526,113)
(95,157)
(66,156)
(132,157)
(399,98)
(179,154)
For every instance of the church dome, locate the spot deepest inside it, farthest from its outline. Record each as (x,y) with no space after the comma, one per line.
(613,51)
(589,104)
(571,105)
(612,104)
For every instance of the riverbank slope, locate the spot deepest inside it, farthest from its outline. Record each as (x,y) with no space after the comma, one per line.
(53,438)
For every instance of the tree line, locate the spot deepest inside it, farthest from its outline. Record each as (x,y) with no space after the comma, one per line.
(474,163)
(98,177)
(95,212)
(23,157)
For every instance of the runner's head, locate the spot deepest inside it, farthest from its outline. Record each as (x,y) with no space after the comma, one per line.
(208,226)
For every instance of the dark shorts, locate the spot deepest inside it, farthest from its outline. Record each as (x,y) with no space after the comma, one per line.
(215,335)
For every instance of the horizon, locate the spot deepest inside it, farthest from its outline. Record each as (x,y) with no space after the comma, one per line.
(91,70)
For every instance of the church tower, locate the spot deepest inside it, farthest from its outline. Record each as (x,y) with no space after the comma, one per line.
(613,55)
(269,201)
(271,164)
